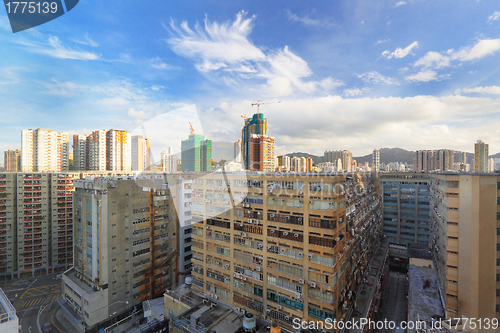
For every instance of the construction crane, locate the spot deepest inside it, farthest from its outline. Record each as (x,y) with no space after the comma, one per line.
(192,129)
(258,104)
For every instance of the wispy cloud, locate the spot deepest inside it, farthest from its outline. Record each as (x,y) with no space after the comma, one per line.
(377,78)
(400,3)
(157,87)
(224,52)
(158,64)
(86,41)
(352,92)
(493,90)
(382,41)
(54,48)
(494,17)
(310,21)
(426,75)
(399,52)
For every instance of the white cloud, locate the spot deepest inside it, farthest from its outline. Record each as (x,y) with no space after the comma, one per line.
(157,87)
(137,114)
(158,64)
(87,41)
(432,60)
(216,43)
(400,3)
(223,52)
(399,52)
(54,48)
(423,76)
(382,41)
(493,90)
(481,49)
(377,78)
(309,21)
(353,92)
(494,17)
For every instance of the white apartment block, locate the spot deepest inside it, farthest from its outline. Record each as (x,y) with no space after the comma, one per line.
(96,145)
(44,150)
(118,151)
(141,153)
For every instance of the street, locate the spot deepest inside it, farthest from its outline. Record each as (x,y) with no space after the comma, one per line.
(29,295)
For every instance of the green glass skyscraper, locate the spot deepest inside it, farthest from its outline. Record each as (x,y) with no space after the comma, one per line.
(196,154)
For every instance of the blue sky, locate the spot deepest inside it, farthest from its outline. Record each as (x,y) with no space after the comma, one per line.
(349,74)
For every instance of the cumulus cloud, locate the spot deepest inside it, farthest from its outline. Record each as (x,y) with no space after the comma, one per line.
(433,60)
(377,78)
(481,49)
(224,52)
(400,3)
(423,76)
(399,52)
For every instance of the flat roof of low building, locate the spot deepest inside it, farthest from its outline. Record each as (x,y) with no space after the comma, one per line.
(424,301)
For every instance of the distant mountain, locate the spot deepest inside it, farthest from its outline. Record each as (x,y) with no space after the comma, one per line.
(497,155)
(316,159)
(388,155)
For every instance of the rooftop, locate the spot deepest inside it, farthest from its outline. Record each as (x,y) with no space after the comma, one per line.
(423,293)
(203,314)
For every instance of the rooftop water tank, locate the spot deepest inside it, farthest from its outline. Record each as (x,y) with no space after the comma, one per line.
(249,322)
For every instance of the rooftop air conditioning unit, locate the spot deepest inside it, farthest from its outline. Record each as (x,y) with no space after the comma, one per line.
(313,284)
(301,281)
(244,235)
(279,307)
(257,268)
(285,233)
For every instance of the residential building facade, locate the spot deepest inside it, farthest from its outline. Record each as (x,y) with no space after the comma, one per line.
(44,150)
(481,152)
(12,160)
(141,153)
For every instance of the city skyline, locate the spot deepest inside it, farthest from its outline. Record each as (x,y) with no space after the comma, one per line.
(350,76)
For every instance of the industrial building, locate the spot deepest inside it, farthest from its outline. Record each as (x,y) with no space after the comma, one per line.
(282,246)
(125,248)
(405,207)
